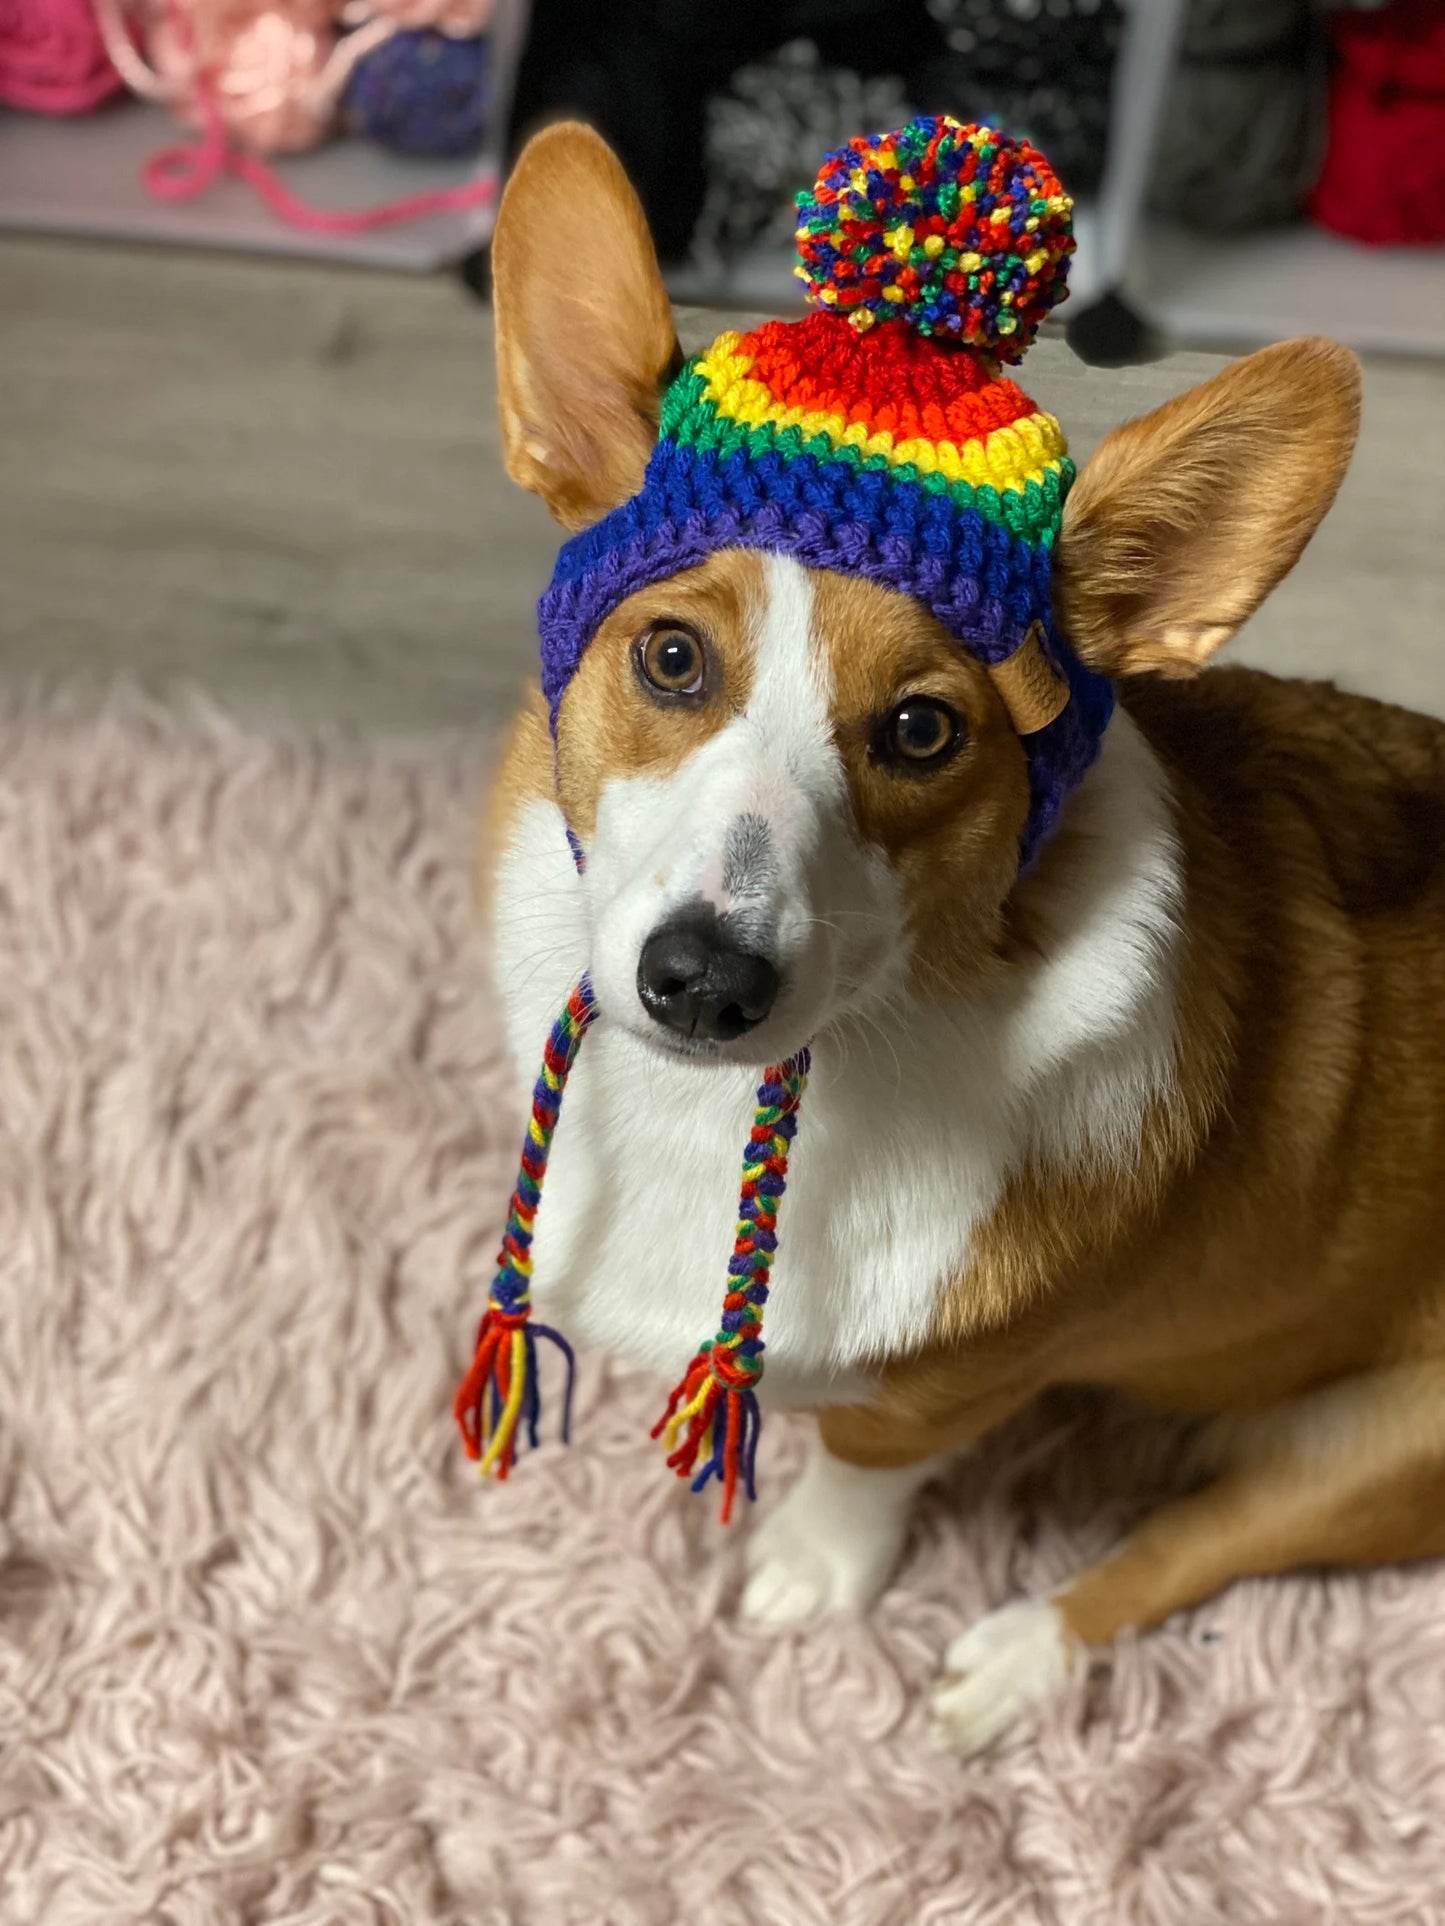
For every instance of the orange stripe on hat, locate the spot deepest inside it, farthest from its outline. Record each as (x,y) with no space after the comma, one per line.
(897,382)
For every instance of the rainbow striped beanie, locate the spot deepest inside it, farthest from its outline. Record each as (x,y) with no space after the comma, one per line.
(878,436)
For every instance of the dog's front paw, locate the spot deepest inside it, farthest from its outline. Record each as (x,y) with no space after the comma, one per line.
(1001,1672)
(832,1543)
(797,1571)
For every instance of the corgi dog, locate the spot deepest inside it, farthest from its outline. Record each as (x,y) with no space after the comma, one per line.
(1160,1111)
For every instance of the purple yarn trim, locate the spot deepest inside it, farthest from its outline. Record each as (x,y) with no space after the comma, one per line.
(986,585)
(570,612)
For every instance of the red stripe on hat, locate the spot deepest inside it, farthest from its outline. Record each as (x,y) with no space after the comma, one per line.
(889,378)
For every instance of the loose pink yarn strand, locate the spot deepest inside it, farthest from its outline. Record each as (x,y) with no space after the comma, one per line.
(180,173)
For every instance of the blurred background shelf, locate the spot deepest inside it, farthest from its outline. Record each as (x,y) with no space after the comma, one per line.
(84,177)
(1140,280)
(1240,290)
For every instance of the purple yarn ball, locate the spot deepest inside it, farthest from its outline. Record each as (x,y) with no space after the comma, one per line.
(421,92)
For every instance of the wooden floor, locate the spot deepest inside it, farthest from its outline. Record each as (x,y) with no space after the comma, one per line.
(279,484)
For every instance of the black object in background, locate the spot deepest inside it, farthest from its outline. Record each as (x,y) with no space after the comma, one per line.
(767,131)
(1243,133)
(642,72)
(1040,68)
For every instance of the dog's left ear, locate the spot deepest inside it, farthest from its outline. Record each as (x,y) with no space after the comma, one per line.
(1185,520)
(585,338)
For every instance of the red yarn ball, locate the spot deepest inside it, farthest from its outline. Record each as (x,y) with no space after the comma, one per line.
(1383,176)
(52,58)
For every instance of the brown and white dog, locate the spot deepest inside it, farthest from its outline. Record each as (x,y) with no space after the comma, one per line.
(1165,1115)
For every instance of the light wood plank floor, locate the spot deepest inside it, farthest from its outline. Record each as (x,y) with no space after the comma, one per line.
(280,484)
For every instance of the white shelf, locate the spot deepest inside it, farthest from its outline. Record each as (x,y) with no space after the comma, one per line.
(1249,289)
(83,176)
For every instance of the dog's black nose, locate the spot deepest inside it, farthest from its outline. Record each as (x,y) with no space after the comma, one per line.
(695,978)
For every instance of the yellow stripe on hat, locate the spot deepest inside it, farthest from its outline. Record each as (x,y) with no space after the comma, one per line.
(1009,458)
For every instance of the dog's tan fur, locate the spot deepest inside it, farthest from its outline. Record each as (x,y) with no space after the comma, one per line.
(1273,1259)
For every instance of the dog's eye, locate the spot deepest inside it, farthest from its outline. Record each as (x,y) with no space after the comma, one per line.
(919,734)
(670,657)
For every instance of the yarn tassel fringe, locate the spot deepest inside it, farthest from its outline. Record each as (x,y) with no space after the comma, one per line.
(501,1393)
(710,1429)
(712,1421)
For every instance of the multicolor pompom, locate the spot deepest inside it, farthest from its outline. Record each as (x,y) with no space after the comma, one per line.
(960,231)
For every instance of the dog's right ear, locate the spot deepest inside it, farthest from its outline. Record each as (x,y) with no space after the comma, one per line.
(585,337)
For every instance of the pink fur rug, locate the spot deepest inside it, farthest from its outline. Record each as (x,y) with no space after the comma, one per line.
(269,1652)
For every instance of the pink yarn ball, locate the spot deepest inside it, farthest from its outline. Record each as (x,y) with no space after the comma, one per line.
(269,88)
(52,58)
(266,74)
(265,69)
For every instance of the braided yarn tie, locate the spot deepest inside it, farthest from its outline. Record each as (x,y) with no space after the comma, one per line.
(711,1424)
(501,1390)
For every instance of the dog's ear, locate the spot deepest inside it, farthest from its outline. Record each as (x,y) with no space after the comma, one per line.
(1186,519)
(585,337)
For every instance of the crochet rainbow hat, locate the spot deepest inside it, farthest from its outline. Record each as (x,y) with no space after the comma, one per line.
(876,437)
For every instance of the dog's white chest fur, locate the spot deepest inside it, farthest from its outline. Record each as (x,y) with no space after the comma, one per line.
(911,1124)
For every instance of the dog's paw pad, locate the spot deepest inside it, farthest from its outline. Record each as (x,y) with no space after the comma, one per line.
(1000,1672)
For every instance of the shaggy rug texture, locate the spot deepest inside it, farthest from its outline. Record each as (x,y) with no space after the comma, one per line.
(269,1651)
